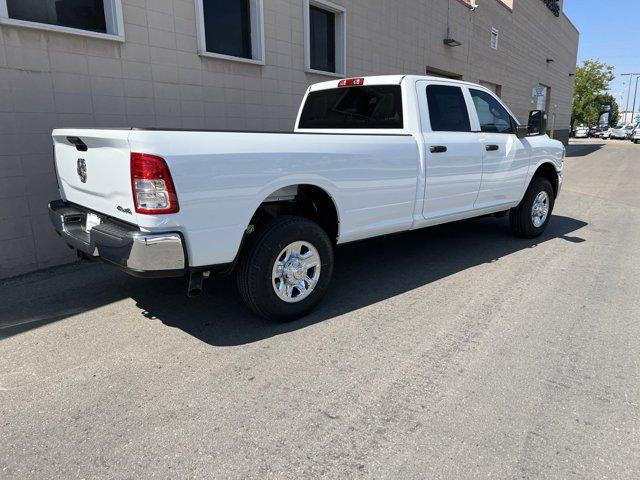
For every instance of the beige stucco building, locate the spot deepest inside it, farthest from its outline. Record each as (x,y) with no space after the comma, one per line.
(237,64)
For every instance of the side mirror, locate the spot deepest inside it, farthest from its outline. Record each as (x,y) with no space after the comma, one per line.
(537,122)
(522,131)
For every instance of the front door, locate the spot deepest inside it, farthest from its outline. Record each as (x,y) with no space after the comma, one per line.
(506,159)
(453,151)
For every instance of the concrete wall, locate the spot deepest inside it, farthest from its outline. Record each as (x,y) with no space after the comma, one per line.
(156,78)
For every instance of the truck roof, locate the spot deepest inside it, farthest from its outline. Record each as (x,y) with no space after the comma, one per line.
(386,80)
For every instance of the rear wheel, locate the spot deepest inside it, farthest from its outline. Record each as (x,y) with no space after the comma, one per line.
(531,217)
(285,269)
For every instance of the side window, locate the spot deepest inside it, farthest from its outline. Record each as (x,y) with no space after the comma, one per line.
(447,109)
(493,117)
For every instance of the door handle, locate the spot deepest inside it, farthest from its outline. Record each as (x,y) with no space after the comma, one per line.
(438,149)
(491,148)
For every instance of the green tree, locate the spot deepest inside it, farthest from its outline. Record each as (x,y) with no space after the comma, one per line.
(592,80)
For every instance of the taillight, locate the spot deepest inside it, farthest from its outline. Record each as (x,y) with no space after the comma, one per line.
(153,189)
(351,82)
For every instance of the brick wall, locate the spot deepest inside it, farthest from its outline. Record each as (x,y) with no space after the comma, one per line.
(156,78)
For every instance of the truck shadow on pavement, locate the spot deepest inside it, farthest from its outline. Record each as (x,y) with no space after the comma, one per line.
(366,273)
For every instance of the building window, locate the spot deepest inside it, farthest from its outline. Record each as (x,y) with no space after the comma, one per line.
(227,27)
(325,38)
(231,29)
(97,18)
(495,38)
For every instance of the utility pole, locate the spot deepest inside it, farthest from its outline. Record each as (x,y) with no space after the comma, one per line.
(633,110)
(626,108)
(630,75)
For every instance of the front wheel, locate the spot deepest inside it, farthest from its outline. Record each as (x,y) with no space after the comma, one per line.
(531,217)
(285,269)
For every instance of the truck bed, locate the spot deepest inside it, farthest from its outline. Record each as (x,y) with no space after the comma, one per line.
(222,177)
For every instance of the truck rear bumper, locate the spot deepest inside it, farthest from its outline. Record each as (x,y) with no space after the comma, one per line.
(138,253)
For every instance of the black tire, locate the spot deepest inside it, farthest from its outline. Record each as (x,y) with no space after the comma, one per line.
(520,218)
(255,268)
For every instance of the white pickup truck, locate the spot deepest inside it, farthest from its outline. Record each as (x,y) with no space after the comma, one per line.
(369,156)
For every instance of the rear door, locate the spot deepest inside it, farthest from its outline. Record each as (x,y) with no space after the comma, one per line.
(453,151)
(93,168)
(506,157)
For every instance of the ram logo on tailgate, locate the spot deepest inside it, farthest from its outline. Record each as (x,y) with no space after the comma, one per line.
(82,170)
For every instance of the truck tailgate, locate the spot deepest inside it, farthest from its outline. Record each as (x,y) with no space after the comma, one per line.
(93,168)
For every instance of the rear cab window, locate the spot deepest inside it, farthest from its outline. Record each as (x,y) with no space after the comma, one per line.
(354,108)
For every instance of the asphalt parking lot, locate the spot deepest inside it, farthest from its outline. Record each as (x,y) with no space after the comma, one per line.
(454,352)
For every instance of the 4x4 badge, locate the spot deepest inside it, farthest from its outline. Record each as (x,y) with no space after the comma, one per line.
(82,170)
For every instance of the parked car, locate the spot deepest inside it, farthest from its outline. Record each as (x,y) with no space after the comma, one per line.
(582,131)
(604,132)
(635,134)
(619,132)
(593,130)
(369,157)
(629,130)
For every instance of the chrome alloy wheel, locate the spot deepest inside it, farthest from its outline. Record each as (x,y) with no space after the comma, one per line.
(296,272)
(540,209)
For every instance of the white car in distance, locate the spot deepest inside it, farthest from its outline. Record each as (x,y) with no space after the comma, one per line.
(582,131)
(620,132)
(629,130)
(368,157)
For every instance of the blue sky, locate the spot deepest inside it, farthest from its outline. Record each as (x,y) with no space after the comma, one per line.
(609,31)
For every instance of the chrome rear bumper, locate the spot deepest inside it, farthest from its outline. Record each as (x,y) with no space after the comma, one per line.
(138,253)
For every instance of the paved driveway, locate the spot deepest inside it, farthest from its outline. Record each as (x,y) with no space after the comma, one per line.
(454,352)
